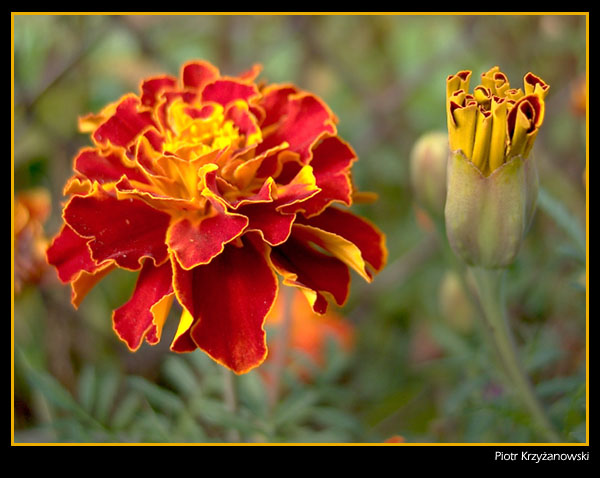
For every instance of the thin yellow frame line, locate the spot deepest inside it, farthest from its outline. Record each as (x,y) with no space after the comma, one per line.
(358,13)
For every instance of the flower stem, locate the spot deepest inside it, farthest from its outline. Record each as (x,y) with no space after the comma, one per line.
(230,399)
(490,287)
(282,346)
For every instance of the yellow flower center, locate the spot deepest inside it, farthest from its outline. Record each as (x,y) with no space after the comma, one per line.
(196,131)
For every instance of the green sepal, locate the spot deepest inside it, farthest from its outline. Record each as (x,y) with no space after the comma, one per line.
(487,216)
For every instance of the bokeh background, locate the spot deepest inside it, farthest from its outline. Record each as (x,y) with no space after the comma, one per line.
(409,363)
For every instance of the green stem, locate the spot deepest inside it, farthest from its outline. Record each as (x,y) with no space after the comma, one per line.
(280,353)
(230,398)
(490,286)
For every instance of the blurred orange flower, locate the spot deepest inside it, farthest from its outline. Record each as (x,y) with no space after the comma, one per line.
(308,332)
(579,97)
(395,439)
(32,208)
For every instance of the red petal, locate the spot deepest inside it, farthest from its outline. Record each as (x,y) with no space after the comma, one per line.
(332,159)
(184,343)
(149,195)
(252,73)
(85,281)
(198,73)
(243,119)
(275,103)
(305,267)
(229,299)
(154,138)
(299,189)
(226,91)
(133,320)
(105,168)
(368,238)
(197,242)
(307,120)
(154,87)
(264,194)
(70,255)
(125,231)
(275,227)
(200,113)
(125,125)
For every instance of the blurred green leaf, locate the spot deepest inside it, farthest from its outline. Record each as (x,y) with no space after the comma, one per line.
(215,412)
(125,410)
(563,218)
(180,374)
(295,407)
(86,387)
(158,397)
(108,385)
(53,391)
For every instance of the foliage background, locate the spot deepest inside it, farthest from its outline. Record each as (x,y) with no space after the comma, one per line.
(419,368)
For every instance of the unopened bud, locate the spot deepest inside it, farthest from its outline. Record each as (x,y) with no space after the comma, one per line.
(455,305)
(428,163)
(492,182)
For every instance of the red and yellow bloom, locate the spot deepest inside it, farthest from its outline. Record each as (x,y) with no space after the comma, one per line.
(210,186)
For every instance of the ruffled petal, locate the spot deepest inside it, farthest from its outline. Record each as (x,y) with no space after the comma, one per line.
(269,218)
(252,73)
(124,126)
(70,254)
(318,275)
(339,247)
(275,103)
(125,231)
(225,91)
(104,168)
(357,230)
(228,300)
(306,121)
(145,309)
(152,88)
(126,190)
(85,282)
(198,242)
(274,226)
(331,163)
(196,74)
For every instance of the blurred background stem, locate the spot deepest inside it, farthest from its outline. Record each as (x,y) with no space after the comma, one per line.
(280,351)
(230,398)
(490,287)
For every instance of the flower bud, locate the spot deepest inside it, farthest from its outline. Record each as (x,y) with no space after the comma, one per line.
(428,162)
(455,306)
(492,183)
(487,216)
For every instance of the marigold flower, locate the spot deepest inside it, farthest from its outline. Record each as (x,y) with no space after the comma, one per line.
(31,209)
(492,182)
(210,186)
